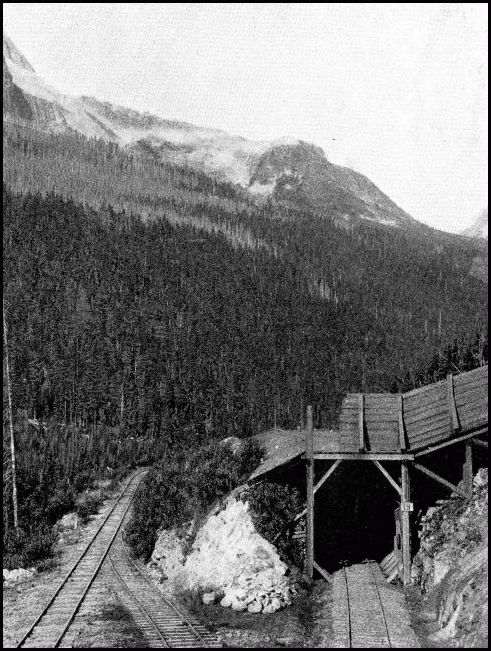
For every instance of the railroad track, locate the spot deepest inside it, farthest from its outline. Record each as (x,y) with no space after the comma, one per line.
(368,612)
(161,622)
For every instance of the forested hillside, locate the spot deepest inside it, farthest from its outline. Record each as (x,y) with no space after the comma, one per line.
(149,306)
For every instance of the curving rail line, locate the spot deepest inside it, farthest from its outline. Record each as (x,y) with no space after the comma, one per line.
(161,622)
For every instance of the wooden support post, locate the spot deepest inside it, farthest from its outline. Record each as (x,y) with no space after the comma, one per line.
(361,422)
(309,530)
(454,441)
(327,475)
(467,469)
(440,480)
(384,472)
(454,418)
(402,433)
(322,572)
(405,524)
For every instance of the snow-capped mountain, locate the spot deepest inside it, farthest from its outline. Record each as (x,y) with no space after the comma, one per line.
(480,227)
(289,170)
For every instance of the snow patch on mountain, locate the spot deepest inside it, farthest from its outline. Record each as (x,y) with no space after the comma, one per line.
(289,169)
(480,227)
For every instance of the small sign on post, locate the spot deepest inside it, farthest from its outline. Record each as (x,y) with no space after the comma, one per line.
(407,506)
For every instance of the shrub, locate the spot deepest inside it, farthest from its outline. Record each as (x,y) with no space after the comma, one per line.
(184,488)
(88,506)
(62,501)
(31,547)
(273,507)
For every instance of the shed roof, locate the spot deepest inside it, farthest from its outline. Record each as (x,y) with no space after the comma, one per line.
(413,421)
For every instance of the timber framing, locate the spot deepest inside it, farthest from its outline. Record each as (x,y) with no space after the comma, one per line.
(454,441)
(401,429)
(480,443)
(363,456)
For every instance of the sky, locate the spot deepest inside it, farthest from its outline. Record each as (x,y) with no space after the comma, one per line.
(398,92)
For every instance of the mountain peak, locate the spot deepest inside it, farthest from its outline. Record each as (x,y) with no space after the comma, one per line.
(290,170)
(14,56)
(480,227)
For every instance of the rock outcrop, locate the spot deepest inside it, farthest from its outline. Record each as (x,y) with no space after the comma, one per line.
(451,567)
(228,563)
(13,577)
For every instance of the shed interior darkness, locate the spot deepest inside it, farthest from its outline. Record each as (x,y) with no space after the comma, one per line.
(354,509)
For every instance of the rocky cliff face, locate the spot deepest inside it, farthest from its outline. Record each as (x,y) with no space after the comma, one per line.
(451,568)
(15,104)
(301,173)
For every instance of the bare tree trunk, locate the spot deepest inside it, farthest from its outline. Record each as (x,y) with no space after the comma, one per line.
(12,440)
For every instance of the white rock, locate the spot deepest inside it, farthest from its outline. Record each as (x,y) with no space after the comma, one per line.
(272,607)
(18,576)
(239,605)
(69,521)
(255,606)
(440,570)
(226,602)
(208,598)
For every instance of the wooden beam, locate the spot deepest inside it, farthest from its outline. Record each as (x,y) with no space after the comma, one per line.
(467,474)
(327,475)
(483,444)
(402,433)
(391,481)
(309,530)
(440,480)
(322,572)
(405,525)
(364,456)
(454,441)
(454,418)
(361,422)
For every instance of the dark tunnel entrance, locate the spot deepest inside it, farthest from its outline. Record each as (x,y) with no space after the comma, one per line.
(354,514)
(354,509)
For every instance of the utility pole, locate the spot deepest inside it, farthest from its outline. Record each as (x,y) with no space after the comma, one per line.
(309,459)
(12,440)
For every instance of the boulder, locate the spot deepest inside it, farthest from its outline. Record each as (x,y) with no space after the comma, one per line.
(239,605)
(255,606)
(209,598)
(228,557)
(168,556)
(226,602)
(272,606)
(69,521)
(13,577)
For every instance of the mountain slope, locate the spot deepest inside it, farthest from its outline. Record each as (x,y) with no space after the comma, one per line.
(288,170)
(479,228)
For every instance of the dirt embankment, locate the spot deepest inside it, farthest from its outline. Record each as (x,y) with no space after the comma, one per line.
(451,570)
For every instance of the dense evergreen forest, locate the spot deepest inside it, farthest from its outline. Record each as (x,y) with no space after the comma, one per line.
(150,307)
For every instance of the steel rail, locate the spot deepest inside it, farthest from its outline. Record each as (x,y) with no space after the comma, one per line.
(136,476)
(380,604)
(95,573)
(350,639)
(162,596)
(147,616)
